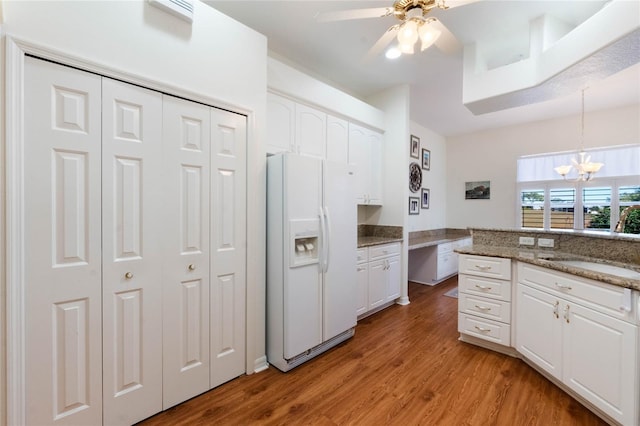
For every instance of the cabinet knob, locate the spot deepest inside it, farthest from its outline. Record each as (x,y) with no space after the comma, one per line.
(128,275)
(192,267)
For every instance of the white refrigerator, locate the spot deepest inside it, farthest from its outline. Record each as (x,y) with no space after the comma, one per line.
(311,257)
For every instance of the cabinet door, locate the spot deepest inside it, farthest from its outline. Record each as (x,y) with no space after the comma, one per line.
(337,139)
(539,329)
(62,261)
(359,157)
(377,283)
(311,131)
(132,240)
(394,276)
(374,145)
(600,361)
(447,264)
(186,254)
(362,276)
(281,114)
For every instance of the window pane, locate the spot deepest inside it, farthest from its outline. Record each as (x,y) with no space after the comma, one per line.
(629,196)
(562,207)
(532,207)
(597,208)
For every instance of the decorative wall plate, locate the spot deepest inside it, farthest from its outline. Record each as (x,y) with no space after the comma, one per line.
(415,177)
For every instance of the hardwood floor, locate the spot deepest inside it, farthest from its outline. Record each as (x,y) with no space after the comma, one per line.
(404,366)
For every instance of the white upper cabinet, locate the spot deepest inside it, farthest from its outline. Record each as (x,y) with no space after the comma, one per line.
(365,152)
(311,131)
(281,116)
(337,139)
(293,127)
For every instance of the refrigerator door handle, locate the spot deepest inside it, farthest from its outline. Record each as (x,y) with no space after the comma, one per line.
(327,244)
(323,235)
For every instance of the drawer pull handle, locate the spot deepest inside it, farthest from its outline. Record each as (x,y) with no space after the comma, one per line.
(563,286)
(483,267)
(555,309)
(483,330)
(191,267)
(483,308)
(360,269)
(566,314)
(483,287)
(128,275)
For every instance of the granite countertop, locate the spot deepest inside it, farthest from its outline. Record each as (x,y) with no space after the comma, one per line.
(434,240)
(548,258)
(375,241)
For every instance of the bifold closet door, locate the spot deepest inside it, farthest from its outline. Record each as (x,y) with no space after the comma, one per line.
(228,245)
(62,257)
(186,136)
(132,238)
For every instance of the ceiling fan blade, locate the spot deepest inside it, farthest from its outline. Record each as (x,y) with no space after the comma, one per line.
(447,42)
(382,42)
(344,15)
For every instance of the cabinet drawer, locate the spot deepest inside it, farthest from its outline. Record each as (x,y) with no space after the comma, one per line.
(497,310)
(378,252)
(604,297)
(486,329)
(484,266)
(362,255)
(487,287)
(445,248)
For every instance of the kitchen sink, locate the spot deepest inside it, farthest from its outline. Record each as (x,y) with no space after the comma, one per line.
(602,267)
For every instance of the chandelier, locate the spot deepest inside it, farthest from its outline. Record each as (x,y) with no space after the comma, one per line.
(585,168)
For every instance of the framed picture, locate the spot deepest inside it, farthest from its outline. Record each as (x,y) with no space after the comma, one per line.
(414,205)
(425,198)
(415,147)
(426,159)
(477,190)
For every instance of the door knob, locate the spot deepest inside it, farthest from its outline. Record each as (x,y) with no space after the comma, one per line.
(192,267)
(128,275)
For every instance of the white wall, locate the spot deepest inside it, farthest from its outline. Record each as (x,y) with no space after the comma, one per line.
(434,179)
(215,60)
(492,154)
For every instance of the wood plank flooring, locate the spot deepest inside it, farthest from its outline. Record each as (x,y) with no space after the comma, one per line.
(404,366)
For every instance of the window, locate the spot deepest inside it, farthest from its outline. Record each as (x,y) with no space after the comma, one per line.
(532,202)
(549,202)
(596,204)
(562,202)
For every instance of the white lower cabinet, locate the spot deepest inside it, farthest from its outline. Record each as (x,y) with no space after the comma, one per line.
(575,330)
(379,276)
(484,298)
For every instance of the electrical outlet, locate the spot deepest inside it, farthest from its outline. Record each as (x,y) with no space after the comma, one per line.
(545,242)
(527,241)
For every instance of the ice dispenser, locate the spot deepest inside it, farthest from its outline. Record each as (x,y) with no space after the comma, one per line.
(304,244)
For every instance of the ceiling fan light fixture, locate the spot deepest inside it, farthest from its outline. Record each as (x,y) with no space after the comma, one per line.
(408,33)
(406,48)
(428,36)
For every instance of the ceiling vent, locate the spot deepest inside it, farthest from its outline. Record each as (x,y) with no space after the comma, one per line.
(183,9)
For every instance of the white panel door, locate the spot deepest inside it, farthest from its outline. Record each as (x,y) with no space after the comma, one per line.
(62,266)
(185,320)
(132,251)
(340,293)
(228,245)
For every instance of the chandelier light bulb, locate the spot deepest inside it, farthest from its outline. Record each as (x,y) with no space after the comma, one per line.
(393,53)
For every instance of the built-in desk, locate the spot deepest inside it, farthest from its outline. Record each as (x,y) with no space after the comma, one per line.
(431,254)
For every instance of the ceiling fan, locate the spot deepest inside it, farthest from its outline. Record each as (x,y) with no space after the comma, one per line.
(415,26)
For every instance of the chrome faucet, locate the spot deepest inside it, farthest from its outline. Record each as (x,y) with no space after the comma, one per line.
(623,217)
